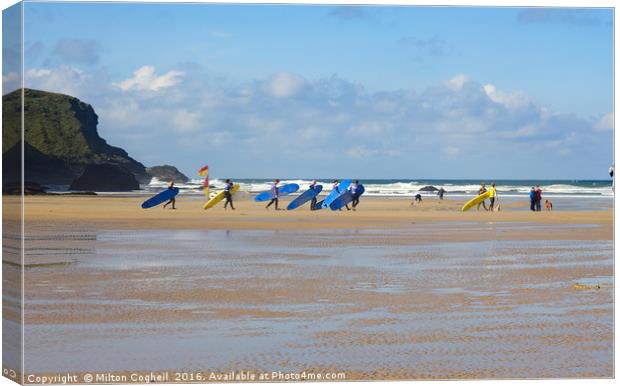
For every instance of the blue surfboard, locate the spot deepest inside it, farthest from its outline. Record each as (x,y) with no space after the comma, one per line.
(342,186)
(160,198)
(284,190)
(305,197)
(346,197)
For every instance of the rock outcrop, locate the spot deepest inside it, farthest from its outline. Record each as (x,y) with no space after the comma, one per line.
(167,173)
(60,138)
(428,188)
(105,178)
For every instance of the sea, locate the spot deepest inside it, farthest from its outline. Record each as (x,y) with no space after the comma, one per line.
(411,187)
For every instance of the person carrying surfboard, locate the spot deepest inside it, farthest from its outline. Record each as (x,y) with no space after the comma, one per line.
(276,194)
(314,200)
(172,200)
(336,187)
(354,189)
(228,194)
(482,190)
(492,196)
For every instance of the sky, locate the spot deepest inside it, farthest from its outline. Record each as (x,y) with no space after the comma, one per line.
(293,91)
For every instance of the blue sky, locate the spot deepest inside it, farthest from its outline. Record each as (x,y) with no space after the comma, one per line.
(367,92)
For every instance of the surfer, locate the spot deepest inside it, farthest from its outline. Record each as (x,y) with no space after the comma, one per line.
(314,201)
(172,200)
(492,196)
(276,194)
(482,190)
(228,194)
(336,187)
(354,189)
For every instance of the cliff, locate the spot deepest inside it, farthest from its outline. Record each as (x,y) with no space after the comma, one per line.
(61,138)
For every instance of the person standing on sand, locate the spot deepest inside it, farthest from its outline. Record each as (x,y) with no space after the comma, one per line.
(276,194)
(228,194)
(533,199)
(482,190)
(492,196)
(441,192)
(538,197)
(172,200)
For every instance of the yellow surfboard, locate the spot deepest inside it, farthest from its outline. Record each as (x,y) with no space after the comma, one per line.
(219,197)
(475,201)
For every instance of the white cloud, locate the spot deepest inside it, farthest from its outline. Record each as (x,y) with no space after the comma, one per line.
(144,79)
(457,82)
(10,82)
(285,85)
(511,100)
(62,79)
(606,122)
(325,120)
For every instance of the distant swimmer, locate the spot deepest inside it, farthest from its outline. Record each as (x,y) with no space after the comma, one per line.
(276,194)
(172,200)
(492,196)
(482,190)
(228,194)
(441,192)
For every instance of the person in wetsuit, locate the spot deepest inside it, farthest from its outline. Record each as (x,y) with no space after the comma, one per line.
(173,199)
(228,194)
(276,194)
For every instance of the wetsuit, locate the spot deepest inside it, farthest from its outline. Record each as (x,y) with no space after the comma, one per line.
(314,200)
(228,195)
(354,192)
(276,194)
(482,191)
(172,200)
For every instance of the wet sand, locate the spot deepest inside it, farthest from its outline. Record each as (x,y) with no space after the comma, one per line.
(391,291)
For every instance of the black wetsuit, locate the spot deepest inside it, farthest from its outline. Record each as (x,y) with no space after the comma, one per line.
(228,196)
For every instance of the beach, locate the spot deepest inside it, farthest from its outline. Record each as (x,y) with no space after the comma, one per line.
(390,291)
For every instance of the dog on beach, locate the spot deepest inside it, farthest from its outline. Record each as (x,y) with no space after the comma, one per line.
(548,206)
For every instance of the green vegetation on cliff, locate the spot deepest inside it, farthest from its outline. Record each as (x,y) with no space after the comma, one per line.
(61,127)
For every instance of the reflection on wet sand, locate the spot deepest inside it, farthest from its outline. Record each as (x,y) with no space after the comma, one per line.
(373,303)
